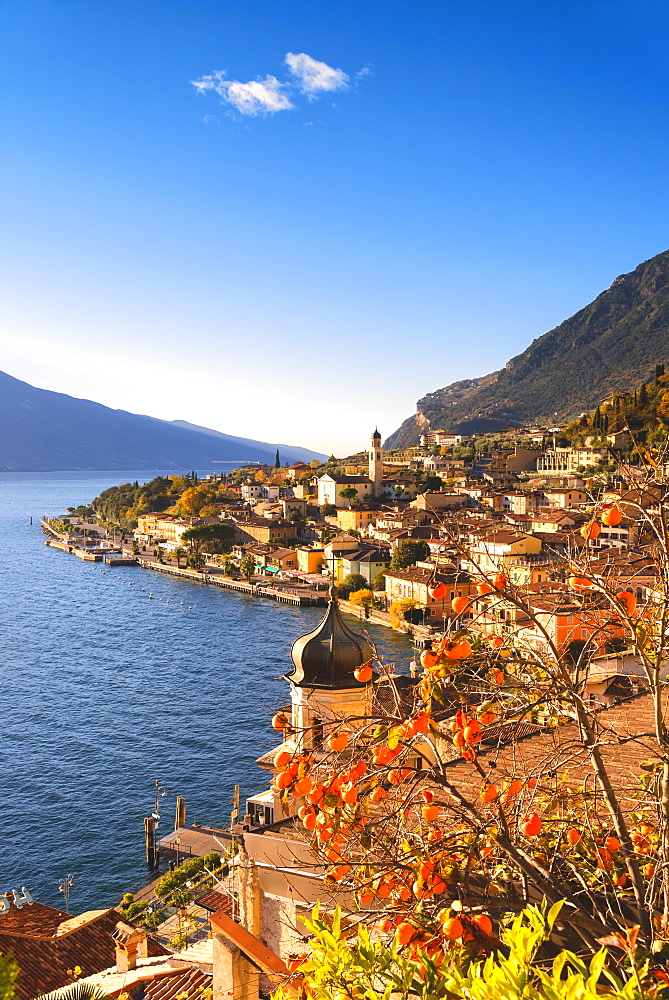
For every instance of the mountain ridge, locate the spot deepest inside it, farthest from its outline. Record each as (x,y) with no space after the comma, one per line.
(609,345)
(46,431)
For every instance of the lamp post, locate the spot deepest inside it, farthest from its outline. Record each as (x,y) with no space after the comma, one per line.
(64,886)
(159,793)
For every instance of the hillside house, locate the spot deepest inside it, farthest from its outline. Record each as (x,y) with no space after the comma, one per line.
(262,529)
(415,581)
(567,497)
(571,459)
(330,487)
(310,558)
(357,518)
(281,560)
(366,560)
(499,550)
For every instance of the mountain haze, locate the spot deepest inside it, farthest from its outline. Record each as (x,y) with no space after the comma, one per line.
(609,346)
(43,431)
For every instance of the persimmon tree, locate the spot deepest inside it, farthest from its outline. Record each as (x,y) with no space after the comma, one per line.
(434,816)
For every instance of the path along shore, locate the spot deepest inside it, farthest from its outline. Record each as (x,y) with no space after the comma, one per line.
(211,575)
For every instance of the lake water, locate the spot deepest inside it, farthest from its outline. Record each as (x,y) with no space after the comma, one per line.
(102,690)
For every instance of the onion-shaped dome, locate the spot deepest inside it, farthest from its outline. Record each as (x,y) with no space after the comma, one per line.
(328,656)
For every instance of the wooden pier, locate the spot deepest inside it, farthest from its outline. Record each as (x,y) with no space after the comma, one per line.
(193,841)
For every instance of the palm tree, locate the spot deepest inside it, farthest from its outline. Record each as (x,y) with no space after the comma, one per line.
(196,560)
(77,991)
(248,565)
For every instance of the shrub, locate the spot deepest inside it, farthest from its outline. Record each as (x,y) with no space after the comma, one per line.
(363,598)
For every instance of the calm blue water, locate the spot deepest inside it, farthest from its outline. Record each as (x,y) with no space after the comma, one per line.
(102,690)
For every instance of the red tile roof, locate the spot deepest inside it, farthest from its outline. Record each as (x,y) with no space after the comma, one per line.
(188,985)
(214,900)
(44,958)
(37,919)
(561,753)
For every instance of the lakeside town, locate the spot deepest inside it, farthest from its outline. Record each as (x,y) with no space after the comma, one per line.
(520,758)
(380,527)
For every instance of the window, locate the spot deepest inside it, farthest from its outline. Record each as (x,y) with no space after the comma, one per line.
(584,633)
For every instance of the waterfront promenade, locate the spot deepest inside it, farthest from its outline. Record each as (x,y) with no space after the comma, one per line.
(291,592)
(285,592)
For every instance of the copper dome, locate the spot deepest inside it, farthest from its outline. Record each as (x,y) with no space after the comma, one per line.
(328,656)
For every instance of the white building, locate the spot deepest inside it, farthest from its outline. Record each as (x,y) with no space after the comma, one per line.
(330,487)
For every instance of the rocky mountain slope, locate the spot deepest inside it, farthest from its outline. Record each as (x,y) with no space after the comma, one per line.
(42,430)
(609,346)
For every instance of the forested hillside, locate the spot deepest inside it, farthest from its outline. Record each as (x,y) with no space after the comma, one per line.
(644,412)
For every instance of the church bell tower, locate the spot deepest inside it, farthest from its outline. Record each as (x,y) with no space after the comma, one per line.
(376,464)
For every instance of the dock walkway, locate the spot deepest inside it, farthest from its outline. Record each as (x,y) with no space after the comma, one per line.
(210,576)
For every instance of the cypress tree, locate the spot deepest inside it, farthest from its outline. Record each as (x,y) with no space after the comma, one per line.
(643,396)
(277,460)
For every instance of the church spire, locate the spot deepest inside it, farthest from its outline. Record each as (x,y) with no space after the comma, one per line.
(328,656)
(376,464)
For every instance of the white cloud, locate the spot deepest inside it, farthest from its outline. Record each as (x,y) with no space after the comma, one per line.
(257,97)
(314,77)
(362,73)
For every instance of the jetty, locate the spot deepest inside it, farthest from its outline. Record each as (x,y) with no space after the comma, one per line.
(120,559)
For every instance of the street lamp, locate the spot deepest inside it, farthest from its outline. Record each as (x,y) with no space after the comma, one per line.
(64,886)
(159,793)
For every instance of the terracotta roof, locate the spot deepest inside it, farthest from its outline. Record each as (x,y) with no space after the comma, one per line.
(385,701)
(281,553)
(44,958)
(561,752)
(368,555)
(163,978)
(37,919)
(188,985)
(214,900)
(551,517)
(504,537)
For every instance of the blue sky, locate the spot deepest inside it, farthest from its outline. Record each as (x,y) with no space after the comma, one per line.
(453,182)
